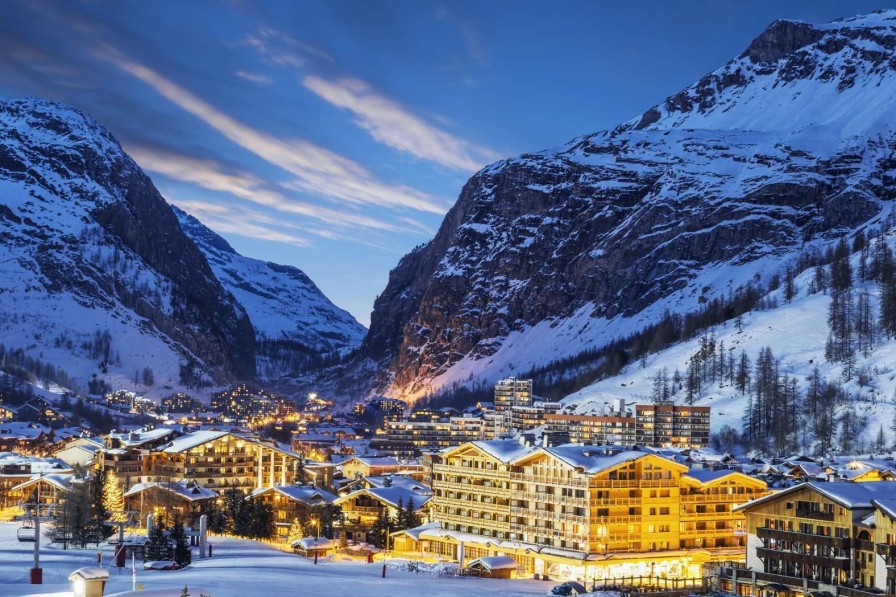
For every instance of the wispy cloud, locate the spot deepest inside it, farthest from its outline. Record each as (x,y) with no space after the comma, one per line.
(276,47)
(256,78)
(468,33)
(209,174)
(317,171)
(393,125)
(243,222)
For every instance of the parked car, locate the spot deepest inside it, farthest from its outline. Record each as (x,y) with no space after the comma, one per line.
(569,589)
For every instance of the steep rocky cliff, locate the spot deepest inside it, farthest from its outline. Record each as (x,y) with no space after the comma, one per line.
(550,253)
(96,275)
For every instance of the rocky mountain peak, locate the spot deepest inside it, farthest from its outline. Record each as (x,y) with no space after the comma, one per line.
(780,39)
(91,247)
(553,253)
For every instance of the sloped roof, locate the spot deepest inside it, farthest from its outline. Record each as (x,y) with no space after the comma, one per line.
(888,506)
(300,493)
(184,489)
(494,563)
(374,460)
(399,481)
(503,450)
(849,495)
(389,495)
(192,440)
(62,481)
(313,543)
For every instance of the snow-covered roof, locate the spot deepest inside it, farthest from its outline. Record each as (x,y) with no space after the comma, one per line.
(313,543)
(374,461)
(399,481)
(141,436)
(887,506)
(849,495)
(390,496)
(62,481)
(416,531)
(300,493)
(704,475)
(494,563)
(90,573)
(504,450)
(192,440)
(188,490)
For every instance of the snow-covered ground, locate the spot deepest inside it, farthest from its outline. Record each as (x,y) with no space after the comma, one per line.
(245,569)
(796,332)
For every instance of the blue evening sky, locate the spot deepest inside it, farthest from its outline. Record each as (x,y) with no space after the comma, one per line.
(334,136)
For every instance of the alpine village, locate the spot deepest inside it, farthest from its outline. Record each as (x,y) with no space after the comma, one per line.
(657,360)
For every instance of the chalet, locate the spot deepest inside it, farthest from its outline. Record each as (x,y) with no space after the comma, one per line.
(290,502)
(816,536)
(186,499)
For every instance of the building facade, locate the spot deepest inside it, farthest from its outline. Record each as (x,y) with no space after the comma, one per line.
(561,511)
(670,425)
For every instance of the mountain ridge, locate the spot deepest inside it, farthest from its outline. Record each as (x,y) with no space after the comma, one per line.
(788,145)
(100,280)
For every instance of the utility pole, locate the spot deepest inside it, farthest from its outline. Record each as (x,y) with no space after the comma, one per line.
(37,575)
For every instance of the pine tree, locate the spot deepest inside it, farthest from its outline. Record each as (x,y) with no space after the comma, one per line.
(183,556)
(381,529)
(400,523)
(301,475)
(113,500)
(411,518)
(157,546)
(296,531)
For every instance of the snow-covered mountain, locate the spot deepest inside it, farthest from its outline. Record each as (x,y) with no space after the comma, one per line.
(293,319)
(548,254)
(96,275)
(99,280)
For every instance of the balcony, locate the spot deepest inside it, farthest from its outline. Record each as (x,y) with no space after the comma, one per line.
(804,538)
(887,551)
(659,483)
(613,484)
(814,514)
(836,562)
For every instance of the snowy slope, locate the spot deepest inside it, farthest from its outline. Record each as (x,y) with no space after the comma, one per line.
(787,146)
(281,301)
(96,276)
(797,333)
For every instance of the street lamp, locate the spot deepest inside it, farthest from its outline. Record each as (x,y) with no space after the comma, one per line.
(316,523)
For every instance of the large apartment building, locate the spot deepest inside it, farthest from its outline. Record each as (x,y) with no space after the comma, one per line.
(220,459)
(673,425)
(617,429)
(819,537)
(513,392)
(561,511)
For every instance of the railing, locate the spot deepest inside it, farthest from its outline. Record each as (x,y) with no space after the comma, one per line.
(804,538)
(742,575)
(659,483)
(602,484)
(685,516)
(887,551)
(714,498)
(814,514)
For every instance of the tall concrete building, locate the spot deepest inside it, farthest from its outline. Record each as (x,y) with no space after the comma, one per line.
(512,392)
